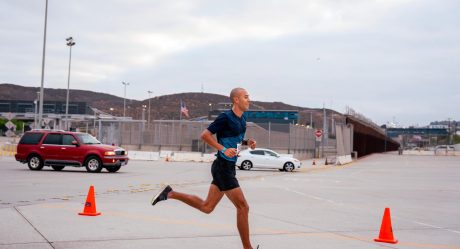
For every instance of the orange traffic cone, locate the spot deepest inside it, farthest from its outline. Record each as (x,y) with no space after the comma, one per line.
(90,204)
(386,231)
(314,163)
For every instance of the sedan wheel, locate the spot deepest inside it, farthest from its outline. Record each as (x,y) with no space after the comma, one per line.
(35,162)
(93,164)
(246,165)
(289,167)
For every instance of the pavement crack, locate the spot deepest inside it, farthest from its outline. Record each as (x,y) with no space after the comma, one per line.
(23,216)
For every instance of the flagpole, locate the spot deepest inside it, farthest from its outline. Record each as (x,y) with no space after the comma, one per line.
(180,127)
(180,110)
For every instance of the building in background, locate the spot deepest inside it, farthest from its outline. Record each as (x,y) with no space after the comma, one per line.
(278,120)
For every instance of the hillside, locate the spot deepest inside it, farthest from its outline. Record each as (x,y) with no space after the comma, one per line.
(162,107)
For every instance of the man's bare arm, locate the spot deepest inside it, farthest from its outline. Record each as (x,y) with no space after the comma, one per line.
(208,138)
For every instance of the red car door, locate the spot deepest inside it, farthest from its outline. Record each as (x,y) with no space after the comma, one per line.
(51,147)
(70,152)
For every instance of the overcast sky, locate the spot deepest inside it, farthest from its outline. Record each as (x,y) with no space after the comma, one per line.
(387,59)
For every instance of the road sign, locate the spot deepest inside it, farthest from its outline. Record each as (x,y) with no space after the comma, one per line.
(10,125)
(9,133)
(9,116)
(318,133)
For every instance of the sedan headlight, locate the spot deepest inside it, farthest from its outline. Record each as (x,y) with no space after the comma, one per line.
(109,153)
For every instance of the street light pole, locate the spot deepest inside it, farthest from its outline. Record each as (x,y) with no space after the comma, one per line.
(325,133)
(210,109)
(148,123)
(70,43)
(124,99)
(40,109)
(36,110)
(35,113)
(143,117)
(449,132)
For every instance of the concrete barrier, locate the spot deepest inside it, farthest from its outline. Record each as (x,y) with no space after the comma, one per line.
(446,153)
(171,156)
(187,156)
(419,153)
(192,157)
(342,160)
(166,153)
(209,157)
(8,149)
(144,155)
(432,152)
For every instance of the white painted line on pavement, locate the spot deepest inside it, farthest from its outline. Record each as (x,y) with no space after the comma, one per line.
(309,196)
(428,225)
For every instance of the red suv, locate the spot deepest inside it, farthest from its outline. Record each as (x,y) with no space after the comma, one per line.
(58,149)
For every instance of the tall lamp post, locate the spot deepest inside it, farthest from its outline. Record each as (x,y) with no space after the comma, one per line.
(36,110)
(448,132)
(210,109)
(70,43)
(124,99)
(40,109)
(143,126)
(148,115)
(143,117)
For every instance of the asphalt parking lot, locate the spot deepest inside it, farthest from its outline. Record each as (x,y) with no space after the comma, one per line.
(317,207)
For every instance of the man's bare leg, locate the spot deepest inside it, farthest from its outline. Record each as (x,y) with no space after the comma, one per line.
(205,206)
(242,215)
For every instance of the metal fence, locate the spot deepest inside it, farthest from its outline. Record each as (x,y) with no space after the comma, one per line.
(182,135)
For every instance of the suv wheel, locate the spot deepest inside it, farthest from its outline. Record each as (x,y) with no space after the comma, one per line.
(113,169)
(93,164)
(35,162)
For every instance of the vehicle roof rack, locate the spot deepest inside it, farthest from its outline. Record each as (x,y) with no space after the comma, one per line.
(47,130)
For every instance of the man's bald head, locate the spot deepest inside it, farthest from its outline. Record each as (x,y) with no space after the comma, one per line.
(235,93)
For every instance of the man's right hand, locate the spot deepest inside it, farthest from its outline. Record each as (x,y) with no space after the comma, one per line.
(230,152)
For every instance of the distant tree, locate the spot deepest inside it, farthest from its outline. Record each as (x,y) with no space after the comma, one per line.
(3,128)
(456,139)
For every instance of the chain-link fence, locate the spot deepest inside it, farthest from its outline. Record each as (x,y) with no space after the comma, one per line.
(182,135)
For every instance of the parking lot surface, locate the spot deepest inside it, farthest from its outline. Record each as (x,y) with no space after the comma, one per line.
(316,207)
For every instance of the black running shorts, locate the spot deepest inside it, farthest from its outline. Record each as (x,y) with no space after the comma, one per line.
(224,174)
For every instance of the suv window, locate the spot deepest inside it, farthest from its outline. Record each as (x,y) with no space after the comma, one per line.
(87,139)
(31,138)
(67,139)
(53,139)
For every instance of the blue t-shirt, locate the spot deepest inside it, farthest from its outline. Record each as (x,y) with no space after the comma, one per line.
(230,130)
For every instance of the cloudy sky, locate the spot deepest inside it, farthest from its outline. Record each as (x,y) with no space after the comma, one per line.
(387,59)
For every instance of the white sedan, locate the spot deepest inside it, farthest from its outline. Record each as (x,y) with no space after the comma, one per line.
(267,159)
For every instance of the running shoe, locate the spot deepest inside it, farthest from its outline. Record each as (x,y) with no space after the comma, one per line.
(162,195)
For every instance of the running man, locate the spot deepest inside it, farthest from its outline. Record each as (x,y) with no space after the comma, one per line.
(230,128)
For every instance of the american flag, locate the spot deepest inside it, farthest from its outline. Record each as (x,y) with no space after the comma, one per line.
(183,109)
